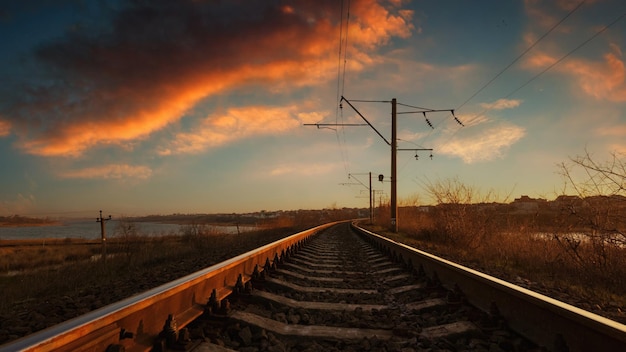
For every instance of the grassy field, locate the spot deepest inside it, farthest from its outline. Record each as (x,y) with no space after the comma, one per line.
(587,272)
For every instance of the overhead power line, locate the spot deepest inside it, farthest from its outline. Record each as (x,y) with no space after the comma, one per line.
(602,30)
(568,54)
(520,55)
(341,77)
(394,148)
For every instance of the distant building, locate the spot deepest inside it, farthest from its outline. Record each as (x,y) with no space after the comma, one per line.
(527,204)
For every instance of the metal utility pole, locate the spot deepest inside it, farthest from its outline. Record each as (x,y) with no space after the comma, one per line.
(394,184)
(102,220)
(371,208)
(393,143)
(369,189)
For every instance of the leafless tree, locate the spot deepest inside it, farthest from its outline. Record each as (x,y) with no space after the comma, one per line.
(596,221)
(464,214)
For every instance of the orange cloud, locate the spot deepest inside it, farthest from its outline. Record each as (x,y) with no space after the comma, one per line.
(126,84)
(603,80)
(542,13)
(5,128)
(539,15)
(237,123)
(613,131)
(111,171)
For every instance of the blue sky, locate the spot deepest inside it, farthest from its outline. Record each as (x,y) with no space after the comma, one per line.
(198,107)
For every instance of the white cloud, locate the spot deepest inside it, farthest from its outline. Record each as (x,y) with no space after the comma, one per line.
(502,104)
(489,144)
(303,169)
(111,171)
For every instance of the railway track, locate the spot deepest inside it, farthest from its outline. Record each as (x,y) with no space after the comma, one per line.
(335,287)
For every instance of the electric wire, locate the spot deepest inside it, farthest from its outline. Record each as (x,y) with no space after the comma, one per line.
(343,81)
(414,107)
(339,88)
(521,55)
(345,51)
(370,101)
(339,62)
(602,30)
(341,76)
(566,55)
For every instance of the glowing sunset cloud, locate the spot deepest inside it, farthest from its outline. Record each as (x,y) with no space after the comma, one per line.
(5,128)
(116,87)
(198,106)
(237,123)
(603,80)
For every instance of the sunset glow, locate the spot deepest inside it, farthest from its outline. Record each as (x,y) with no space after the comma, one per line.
(200,106)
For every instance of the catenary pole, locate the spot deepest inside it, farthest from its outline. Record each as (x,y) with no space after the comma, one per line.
(371,209)
(394,179)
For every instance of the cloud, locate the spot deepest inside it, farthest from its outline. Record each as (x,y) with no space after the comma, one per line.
(5,128)
(502,104)
(613,131)
(158,59)
(602,80)
(235,124)
(111,171)
(20,205)
(619,148)
(303,169)
(546,13)
(486,145)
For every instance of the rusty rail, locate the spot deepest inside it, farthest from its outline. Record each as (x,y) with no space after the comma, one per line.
(135,323)
(548,322)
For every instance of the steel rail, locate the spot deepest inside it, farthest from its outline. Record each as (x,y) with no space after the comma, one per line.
(134,323)
(548,322)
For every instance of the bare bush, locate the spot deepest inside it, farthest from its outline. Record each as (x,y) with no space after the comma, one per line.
(464,215)
(595,220)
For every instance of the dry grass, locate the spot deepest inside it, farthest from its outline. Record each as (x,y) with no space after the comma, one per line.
(482,240)
(16,256)
(31,270)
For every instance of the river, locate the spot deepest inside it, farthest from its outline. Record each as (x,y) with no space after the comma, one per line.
(90,229)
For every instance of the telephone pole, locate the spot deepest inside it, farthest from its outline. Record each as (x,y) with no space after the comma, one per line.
(393,143)
(394,153)
(371,196)
(102,220)
(369,188)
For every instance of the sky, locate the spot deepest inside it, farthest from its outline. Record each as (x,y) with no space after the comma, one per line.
(159,107)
